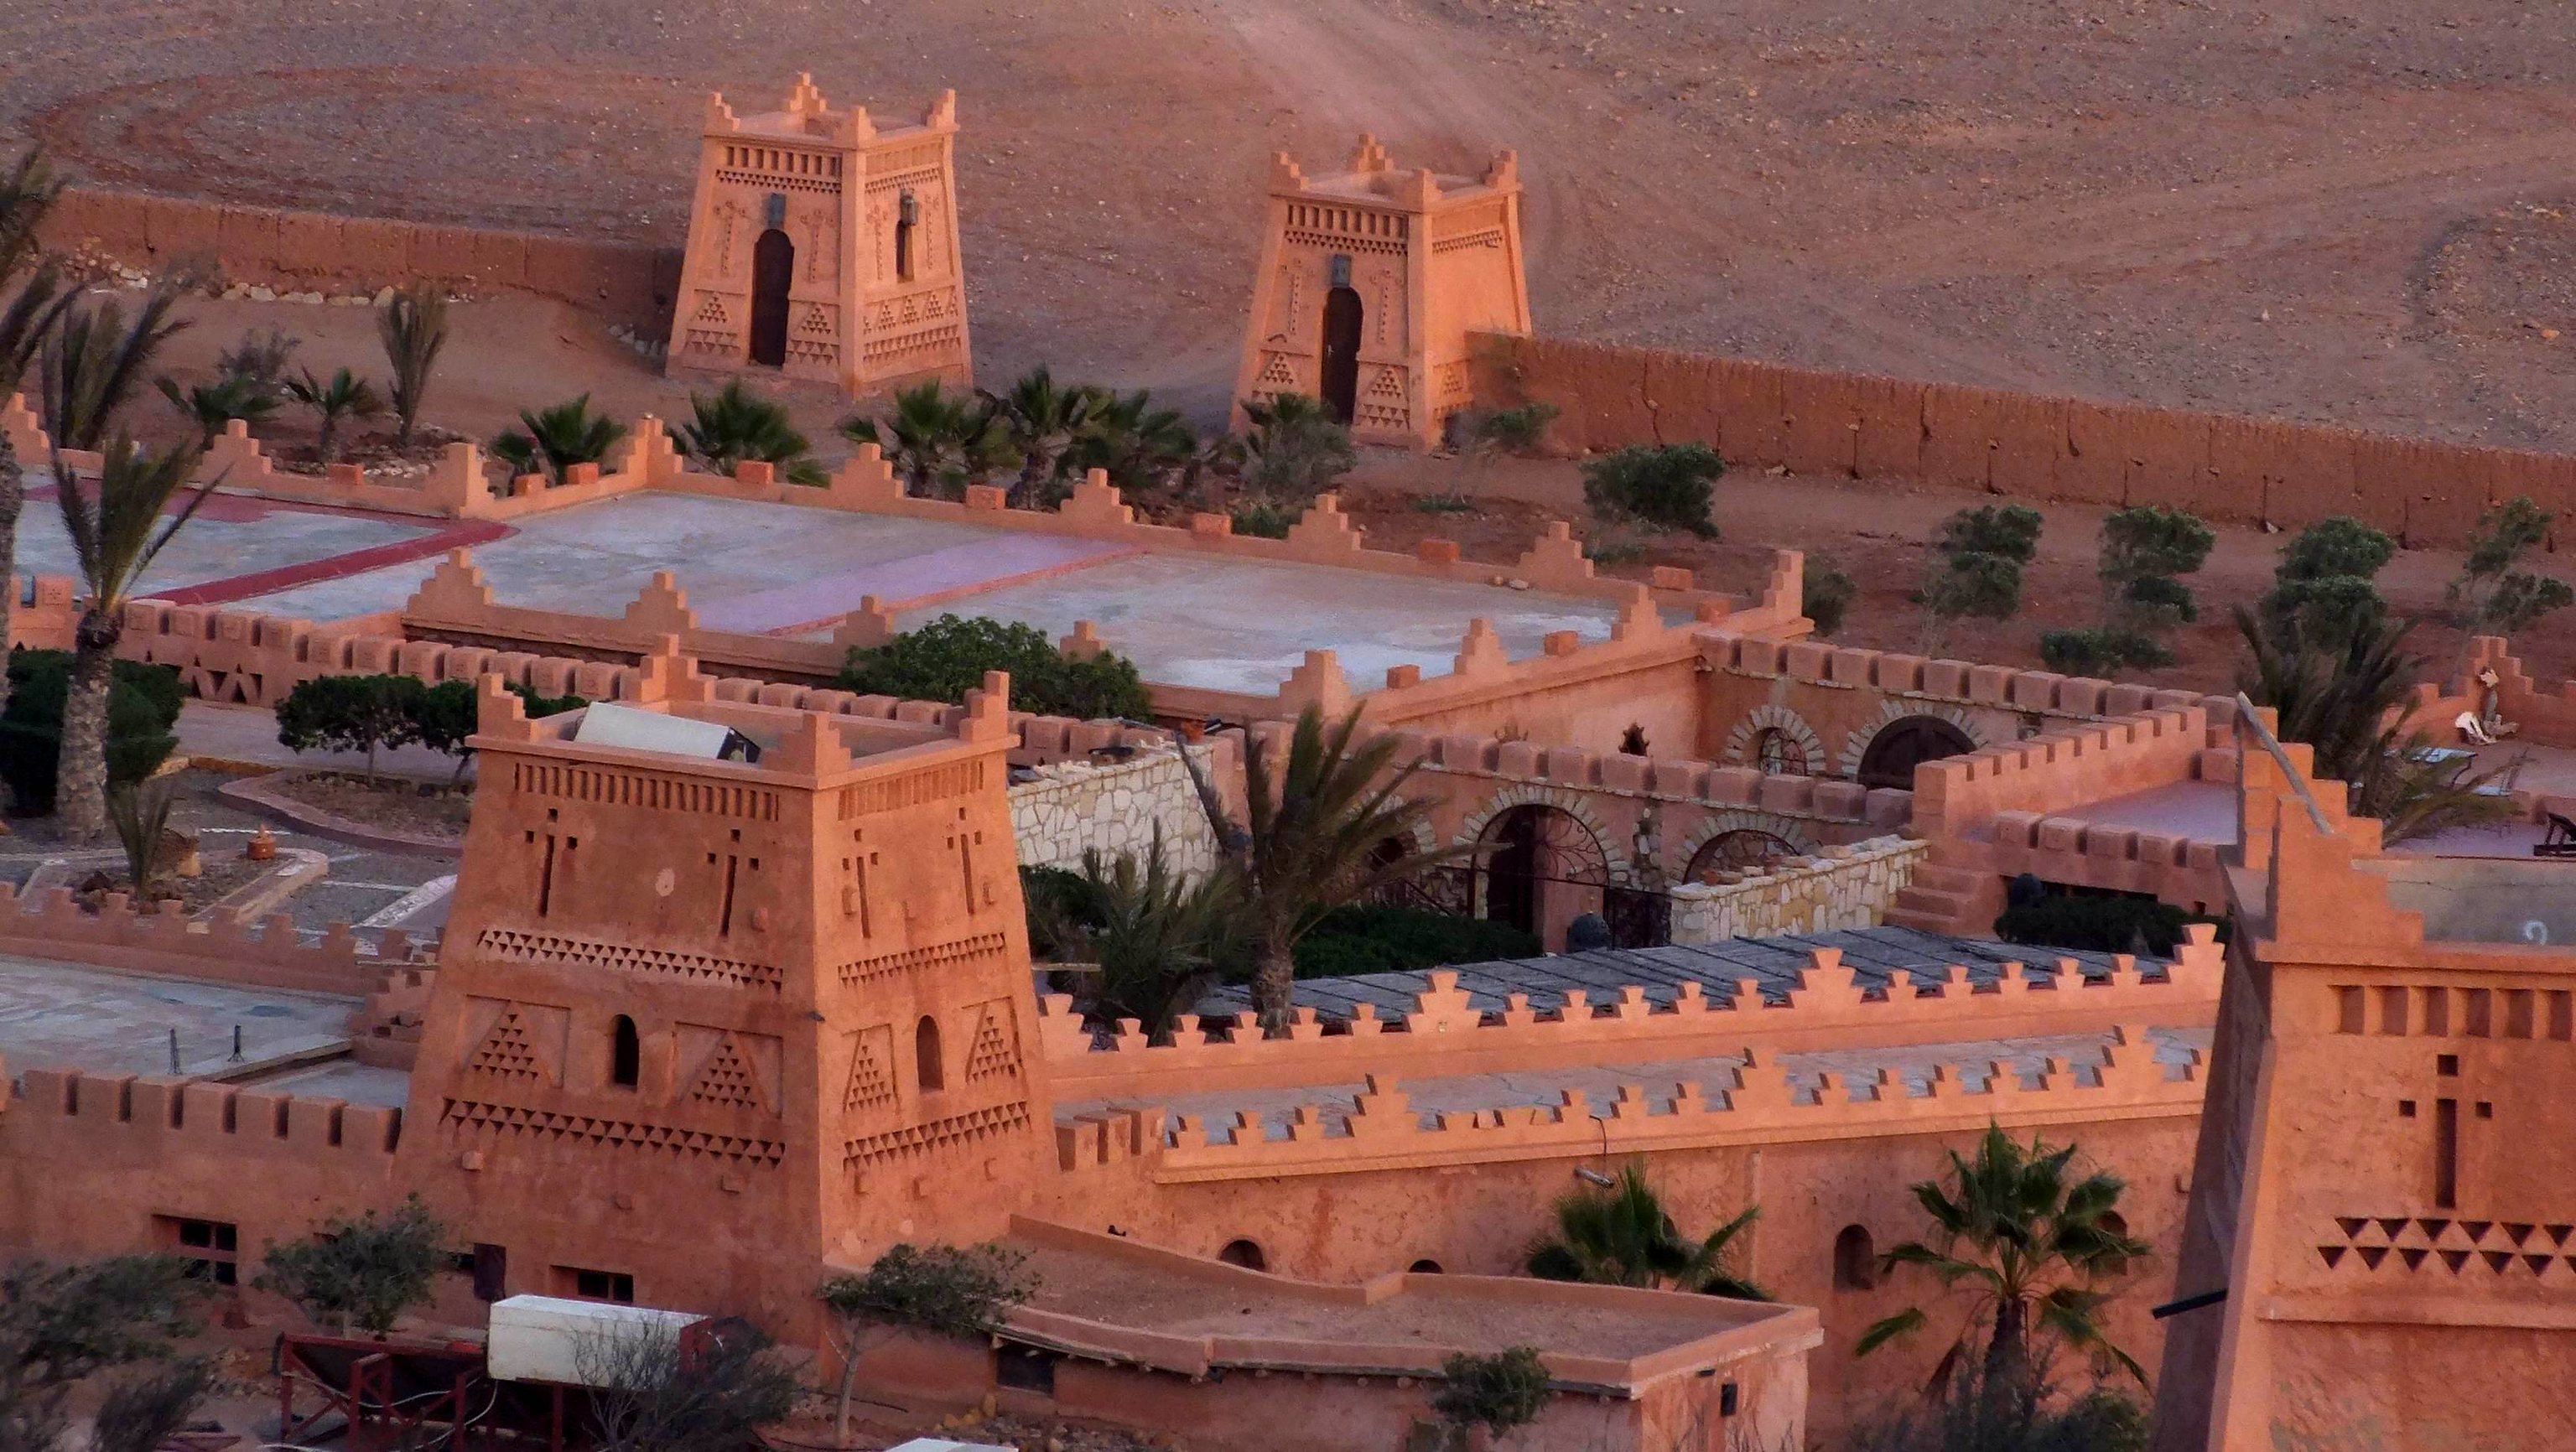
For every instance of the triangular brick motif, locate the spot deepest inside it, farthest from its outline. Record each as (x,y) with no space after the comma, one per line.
(727,1080)
(1389,385)
(2455,1259)
(507,1053)
(991,1054)
(711,309)
(2372,1255)
(2351,1225)
(2558,1234)
(2497,1260)
(871,1078)
(2333,1255)
(2538,1263)
(1276,373)
(2415,1258)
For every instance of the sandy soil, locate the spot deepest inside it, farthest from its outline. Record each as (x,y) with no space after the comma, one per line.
(2345,211)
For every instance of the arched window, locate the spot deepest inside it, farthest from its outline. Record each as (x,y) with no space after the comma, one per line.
(1778,753)
(625,1053)
(1245,1254)
(1425,1267)
(925,1054)
(1855,1260)
(907,216)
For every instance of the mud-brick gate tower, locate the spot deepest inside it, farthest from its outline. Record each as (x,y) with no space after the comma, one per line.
(824,247)
(702,1026)
(1370,283)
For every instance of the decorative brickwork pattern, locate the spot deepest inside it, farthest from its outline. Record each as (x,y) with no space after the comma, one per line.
(517,947)
(939,1134)
(511,1122)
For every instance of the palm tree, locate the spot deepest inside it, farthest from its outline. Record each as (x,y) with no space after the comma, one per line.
(2031,1244)
(114,538)
(736,426)
(938,440)
(1296,446)
(1156,939)
(1620,1235)
(95,360)
(2345,696)
(26,195)
(1140,444)
(1041,421)
(557,438)
(413,327)
(343,395)
(210,406)
(1324,829)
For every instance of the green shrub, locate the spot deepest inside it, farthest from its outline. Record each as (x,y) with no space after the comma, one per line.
(1667,486)
(1264,518)
(1395,939)
(142,705)
(2088,923)
(1499,1392)
(1830,591)
(2101,651)
(353,713)
(943,660)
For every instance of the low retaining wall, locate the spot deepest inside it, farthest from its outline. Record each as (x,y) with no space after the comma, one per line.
(225,947)
(1841,887)
(1120,808)
(2221,467)
(631,282)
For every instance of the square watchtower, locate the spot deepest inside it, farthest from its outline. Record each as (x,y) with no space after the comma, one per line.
(824,247)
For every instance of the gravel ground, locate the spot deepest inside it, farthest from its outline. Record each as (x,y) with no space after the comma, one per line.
(2348,210)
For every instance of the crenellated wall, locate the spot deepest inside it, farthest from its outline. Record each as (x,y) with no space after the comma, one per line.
(224,947)
(146,1147)
(1445,1035)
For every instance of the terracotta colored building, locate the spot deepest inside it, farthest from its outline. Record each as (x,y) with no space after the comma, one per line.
(823,246)
(1370,281)
(2380,1193)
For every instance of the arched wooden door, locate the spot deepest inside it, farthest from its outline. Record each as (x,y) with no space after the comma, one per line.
(773,267)
(1342,352)
(1906,743)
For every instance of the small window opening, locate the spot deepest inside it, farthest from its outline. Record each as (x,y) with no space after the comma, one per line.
(625,1053)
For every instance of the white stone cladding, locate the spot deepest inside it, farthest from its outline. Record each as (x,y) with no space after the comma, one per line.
(1839,887)
(1114,807)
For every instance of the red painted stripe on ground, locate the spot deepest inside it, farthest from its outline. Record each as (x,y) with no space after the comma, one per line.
(464,534)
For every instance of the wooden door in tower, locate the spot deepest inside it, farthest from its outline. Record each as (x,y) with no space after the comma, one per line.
(1342,351)
(773,267)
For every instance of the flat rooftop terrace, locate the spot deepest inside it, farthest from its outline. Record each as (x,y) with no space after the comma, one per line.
(65,1016)
(1136,1303)
(1186,620)
(1873,955)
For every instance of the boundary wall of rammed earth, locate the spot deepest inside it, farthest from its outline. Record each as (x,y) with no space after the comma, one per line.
(2223,468)
(630,282)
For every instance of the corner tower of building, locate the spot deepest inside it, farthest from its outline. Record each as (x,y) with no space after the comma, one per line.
(1370,282)
(824,247)
(710,1022)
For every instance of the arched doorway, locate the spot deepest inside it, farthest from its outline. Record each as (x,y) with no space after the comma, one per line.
(1906,743)
(1745,849)
(773,267)
(1342,352)
(1539,868)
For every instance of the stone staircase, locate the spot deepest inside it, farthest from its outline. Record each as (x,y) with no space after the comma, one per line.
(1944,899)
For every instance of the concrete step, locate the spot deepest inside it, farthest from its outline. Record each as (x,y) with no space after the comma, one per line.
(1959,881)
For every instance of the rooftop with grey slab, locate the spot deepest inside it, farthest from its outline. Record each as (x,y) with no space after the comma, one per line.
(1186,620)
(1873,955)
(1973,1063)
(64,1016)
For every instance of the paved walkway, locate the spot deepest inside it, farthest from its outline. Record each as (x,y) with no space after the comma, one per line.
(248,735)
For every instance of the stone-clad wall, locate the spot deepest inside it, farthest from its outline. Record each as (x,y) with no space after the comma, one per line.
(1840,887)
(1115,807)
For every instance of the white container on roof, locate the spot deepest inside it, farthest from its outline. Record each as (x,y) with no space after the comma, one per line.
(604,723)
(548,1338)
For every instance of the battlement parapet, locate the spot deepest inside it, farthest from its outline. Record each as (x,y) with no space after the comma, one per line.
(109,1114)
(1663,778)
(1382,1130)
(2039,692)
(1446,1033)
(224,947)
(1961,794)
